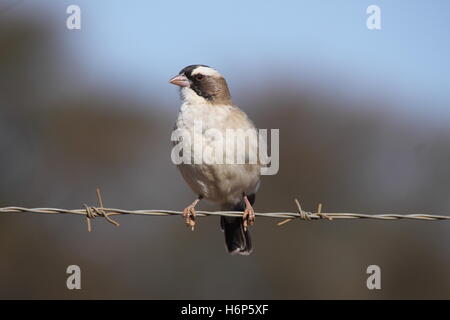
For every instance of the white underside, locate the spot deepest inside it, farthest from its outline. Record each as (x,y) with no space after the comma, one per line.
(220,183)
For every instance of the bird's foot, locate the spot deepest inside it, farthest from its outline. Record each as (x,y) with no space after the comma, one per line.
(249,214)
(189,214)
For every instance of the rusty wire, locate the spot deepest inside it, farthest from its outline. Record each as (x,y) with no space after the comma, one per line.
(92,212)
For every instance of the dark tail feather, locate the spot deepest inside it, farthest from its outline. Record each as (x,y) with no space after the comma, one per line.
(237,240)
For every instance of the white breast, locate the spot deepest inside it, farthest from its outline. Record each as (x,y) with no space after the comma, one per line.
(221,183)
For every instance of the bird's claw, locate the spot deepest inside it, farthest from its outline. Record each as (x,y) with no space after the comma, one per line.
(189,216)
(248,217)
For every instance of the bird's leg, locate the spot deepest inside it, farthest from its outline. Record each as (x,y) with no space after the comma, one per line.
(249,214)
(189,213)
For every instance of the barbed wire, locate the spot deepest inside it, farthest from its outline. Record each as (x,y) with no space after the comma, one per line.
(92,212)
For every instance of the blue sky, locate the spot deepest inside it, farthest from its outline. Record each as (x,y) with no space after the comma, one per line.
(139,43)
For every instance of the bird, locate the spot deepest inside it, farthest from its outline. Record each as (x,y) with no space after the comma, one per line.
(206,98)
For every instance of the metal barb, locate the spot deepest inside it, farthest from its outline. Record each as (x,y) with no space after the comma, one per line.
(93,212)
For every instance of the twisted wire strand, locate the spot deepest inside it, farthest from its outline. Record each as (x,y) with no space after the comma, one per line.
(91,212)
(304,215)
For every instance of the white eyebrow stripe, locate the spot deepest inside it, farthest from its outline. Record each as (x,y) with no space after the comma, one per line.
(206,71)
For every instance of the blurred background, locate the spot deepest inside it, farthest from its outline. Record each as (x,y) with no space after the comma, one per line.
(364,119)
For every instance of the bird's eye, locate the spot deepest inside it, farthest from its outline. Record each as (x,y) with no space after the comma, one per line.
(199,77)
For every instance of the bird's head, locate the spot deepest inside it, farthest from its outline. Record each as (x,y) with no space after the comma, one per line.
(200,84)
